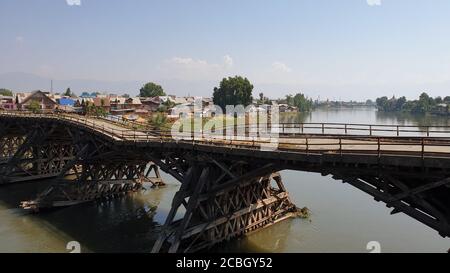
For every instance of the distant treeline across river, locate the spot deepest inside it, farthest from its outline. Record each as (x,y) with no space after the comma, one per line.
(423,105)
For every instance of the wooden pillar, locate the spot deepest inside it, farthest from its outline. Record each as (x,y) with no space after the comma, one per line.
(221,206)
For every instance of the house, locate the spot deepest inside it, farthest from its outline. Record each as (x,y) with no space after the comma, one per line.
(190,99)
(66,101)
(103,103)
(292,109)
(21,97)
(256,109)
(282,107)
(67,104)
(267,108)
(7,103)
(141,112)
(45,102)
(442,108)
(80,102)
(207,102)
(151,104)
(133,103)
(117,103)
(180,100)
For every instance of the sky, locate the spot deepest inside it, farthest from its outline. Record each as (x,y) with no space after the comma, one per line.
(347,49)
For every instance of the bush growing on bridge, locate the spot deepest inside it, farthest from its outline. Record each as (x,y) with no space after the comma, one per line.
(159,121)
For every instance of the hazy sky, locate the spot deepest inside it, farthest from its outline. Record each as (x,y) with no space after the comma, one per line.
(349,48)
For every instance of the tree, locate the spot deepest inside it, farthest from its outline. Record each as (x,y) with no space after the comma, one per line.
(400,103)
(6,92)
(300,101)
(263,99)
(233,91)
(261,96)
(382,103)
(165,106)
(68,93)
(151,89)
(425,103)
(34,106)
(126,96)
(290,100)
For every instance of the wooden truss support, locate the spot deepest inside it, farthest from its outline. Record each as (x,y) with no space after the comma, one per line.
(9,144)
(221,205)
(86,168)
(34,156)
(155,179)
(413,201)
(90,182)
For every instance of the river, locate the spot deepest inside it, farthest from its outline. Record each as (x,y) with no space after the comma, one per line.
(343,219)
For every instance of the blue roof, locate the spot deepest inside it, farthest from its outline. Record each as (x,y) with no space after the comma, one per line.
(66,101)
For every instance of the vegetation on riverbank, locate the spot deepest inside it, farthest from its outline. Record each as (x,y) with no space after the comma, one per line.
(300,101)
(424,105)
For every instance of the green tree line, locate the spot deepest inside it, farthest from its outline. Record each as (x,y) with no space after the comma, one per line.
(424,104)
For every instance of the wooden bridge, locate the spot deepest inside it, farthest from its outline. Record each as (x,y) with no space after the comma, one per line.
(230,185)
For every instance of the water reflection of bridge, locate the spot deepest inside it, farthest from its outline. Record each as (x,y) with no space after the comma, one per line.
(229,187)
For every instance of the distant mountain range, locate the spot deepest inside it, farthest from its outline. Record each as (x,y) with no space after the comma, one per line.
(26,82)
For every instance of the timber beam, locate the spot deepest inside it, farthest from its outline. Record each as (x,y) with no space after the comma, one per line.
(223,202)
(91,182)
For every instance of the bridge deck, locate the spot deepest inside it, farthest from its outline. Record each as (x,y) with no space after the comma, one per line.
(419,145)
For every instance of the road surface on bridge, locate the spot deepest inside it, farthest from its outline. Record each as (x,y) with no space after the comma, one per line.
(417,145)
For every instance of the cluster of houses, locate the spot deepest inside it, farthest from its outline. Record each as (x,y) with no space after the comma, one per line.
(126,107)
(129,107)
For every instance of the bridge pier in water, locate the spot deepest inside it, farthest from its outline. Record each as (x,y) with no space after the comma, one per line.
(222,203)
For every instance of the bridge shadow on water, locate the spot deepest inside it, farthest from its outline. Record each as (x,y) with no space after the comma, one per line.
(124,224)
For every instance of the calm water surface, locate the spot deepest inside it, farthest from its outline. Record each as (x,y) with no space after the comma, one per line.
(343,218)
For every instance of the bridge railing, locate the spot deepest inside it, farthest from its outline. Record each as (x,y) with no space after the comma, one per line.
(284,128)
(417,146)
(345,129)
(295,129)
(284,141)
